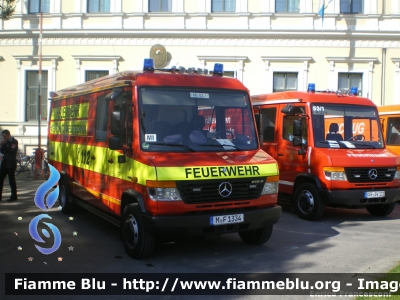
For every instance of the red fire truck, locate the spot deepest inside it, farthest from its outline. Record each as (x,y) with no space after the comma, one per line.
(152,152)
(330,151)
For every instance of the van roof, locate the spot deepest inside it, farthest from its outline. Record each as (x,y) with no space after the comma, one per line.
(389,109)
(140,78)
(317,97)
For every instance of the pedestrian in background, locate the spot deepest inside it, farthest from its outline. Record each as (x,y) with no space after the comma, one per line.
(9,148)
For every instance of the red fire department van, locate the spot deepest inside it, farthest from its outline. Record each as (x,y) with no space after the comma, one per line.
(136,149)
(325,157)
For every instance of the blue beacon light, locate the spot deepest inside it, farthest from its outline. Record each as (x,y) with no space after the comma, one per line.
(311,88)
(218,70)
(148,64)
(354,91)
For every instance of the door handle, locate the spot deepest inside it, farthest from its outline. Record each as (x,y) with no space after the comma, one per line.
(280,154)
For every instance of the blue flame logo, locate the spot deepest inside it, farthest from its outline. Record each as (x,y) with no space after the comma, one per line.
(40,202)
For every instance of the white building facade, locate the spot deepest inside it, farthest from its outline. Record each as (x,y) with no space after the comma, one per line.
(269,45)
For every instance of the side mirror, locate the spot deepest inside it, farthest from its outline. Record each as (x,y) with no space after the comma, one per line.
(297,141)
(115,123)
(114,143)
(287,109)
(297,126)
(116,92)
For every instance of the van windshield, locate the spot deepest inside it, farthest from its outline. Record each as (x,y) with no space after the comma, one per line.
(181,120)
(346,126)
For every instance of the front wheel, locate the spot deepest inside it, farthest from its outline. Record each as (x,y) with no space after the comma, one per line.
(309,205)
(138,238)
(257,236)
(381,210)
(18,169)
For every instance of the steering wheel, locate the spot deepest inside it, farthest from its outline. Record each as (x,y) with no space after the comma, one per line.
(227,131)
(358,137)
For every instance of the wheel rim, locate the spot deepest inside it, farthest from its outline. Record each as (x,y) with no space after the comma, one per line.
(131,232)
(306,202)
(63,196)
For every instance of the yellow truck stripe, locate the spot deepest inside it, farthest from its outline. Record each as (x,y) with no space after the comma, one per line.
(105,161)
(78,127)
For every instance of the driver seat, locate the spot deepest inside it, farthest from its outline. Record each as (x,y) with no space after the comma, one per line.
(333,134)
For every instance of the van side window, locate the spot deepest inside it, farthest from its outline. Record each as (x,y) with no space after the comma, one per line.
(101,118)
(268,120)
(287,124)
(393,131)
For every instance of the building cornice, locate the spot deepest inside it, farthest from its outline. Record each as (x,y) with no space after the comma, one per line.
(286,58)
(97,57)
(351,59)
(36,57)
(221,58)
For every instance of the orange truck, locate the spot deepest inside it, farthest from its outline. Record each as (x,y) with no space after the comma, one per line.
(330,151)
(152,151)
(390,120)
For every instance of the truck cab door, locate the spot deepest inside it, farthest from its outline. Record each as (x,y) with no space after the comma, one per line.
(290,162)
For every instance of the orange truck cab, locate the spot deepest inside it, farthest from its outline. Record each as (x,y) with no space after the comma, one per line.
(390,120)
(330,151)
(152,151)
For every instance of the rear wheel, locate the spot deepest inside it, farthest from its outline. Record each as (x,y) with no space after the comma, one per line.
(64,198)
(381,210)
(138,238)
(257,236)
(308,203)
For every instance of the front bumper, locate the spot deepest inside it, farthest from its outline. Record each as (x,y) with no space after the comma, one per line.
(199,224)
(357,198)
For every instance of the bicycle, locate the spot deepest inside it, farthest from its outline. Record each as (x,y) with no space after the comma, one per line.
(26,163)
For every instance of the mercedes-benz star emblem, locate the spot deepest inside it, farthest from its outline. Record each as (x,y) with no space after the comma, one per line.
(225,189)
(373,174)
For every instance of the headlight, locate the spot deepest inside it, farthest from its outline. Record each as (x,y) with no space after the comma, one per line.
(397,175)
(163,190)
(164,194)
(332,173)
(271,186)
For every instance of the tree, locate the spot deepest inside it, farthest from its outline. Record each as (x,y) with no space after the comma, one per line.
(7,9)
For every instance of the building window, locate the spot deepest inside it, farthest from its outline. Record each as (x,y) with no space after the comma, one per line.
(351,6)
(231,74)
(91,75)
(223,5)
(32,95)
(160,5)
(348,80)
(97,6)
(285,82)
(287,6)
(37,6)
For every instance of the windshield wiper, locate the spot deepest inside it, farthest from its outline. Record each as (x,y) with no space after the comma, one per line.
(362,145)
(173,145)
(221,146)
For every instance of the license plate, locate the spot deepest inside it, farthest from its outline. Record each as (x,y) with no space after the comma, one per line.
(380,194)
(227,219)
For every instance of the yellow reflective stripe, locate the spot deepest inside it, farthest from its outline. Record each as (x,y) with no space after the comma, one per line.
(101,160)
(78,127)
(216,172)
(105,161)
(68,112)
(103,196)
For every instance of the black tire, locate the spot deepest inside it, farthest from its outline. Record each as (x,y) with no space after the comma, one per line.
(138,239)
(308,203)
(257,236)
(381,210)
(64,198)
(18,169)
